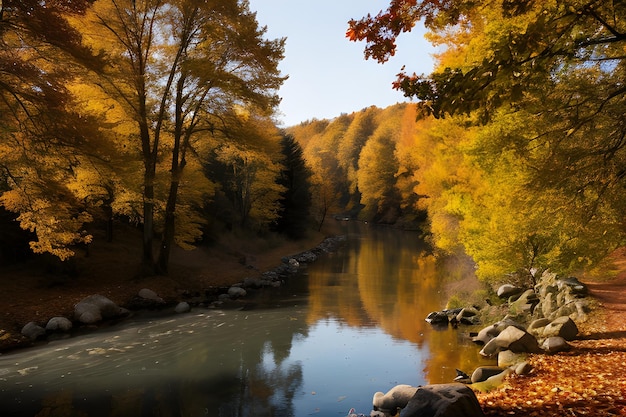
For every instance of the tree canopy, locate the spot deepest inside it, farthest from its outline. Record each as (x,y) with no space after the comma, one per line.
(537,91)
(116,109)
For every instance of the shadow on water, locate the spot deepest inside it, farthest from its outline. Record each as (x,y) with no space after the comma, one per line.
(350,325)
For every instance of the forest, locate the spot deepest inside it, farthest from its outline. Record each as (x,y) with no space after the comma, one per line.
(152,114)
(160,115)
(518,155)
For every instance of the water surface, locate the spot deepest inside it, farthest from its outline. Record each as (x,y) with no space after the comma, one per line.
(350,325)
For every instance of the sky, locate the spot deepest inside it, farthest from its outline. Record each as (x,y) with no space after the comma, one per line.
(328,74)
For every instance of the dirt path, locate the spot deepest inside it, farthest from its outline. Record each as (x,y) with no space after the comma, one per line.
(611,296)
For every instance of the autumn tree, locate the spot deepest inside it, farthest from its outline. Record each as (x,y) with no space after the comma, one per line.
(177,67)
(545,80)
(42,135)
(377,168)
(247,172)
(328,182)
(349,150)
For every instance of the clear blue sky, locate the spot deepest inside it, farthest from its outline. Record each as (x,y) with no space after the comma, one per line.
(328,75)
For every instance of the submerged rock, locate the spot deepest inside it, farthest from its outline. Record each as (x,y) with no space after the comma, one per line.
(437,318)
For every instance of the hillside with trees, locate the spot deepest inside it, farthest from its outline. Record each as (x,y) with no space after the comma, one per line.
(159,115)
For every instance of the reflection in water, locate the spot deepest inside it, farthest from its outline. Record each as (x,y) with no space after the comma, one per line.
(324,343)
(387,279)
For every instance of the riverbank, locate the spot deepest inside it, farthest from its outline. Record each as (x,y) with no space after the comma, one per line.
(588,380)
(39,290)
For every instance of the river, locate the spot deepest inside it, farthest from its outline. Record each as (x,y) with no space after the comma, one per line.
(350,324)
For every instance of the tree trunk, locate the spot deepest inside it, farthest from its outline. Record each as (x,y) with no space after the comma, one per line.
(169,228)
(147,260)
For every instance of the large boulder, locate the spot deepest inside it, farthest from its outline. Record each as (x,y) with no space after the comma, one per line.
(513,339)
(95,308)
(467,315)
(549,304)
(536,326)
(396,398)
(563,327)
(486,334)
(443,400)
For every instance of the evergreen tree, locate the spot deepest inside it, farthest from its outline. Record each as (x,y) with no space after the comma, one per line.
(296,201)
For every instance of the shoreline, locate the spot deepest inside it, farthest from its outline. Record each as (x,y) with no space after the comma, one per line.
(211,296)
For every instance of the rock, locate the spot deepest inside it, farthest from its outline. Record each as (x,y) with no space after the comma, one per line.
(437,318)
(397,397)
(306,257)
(523,368)
(482,373)
(250,282)
(576,287)
(581,311)
(508,358)
(536,326)
(508,290)
(518,341)
(33,331)
(549,304)
(555,344)
(236,292)
(491,348)
(443,400)
(182,307)
(486,334)
(148,294)
(526,303)
(490,332)
(59,324)
(513,339)
(492,382)
(95,308)
(563,327)
(466,313)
